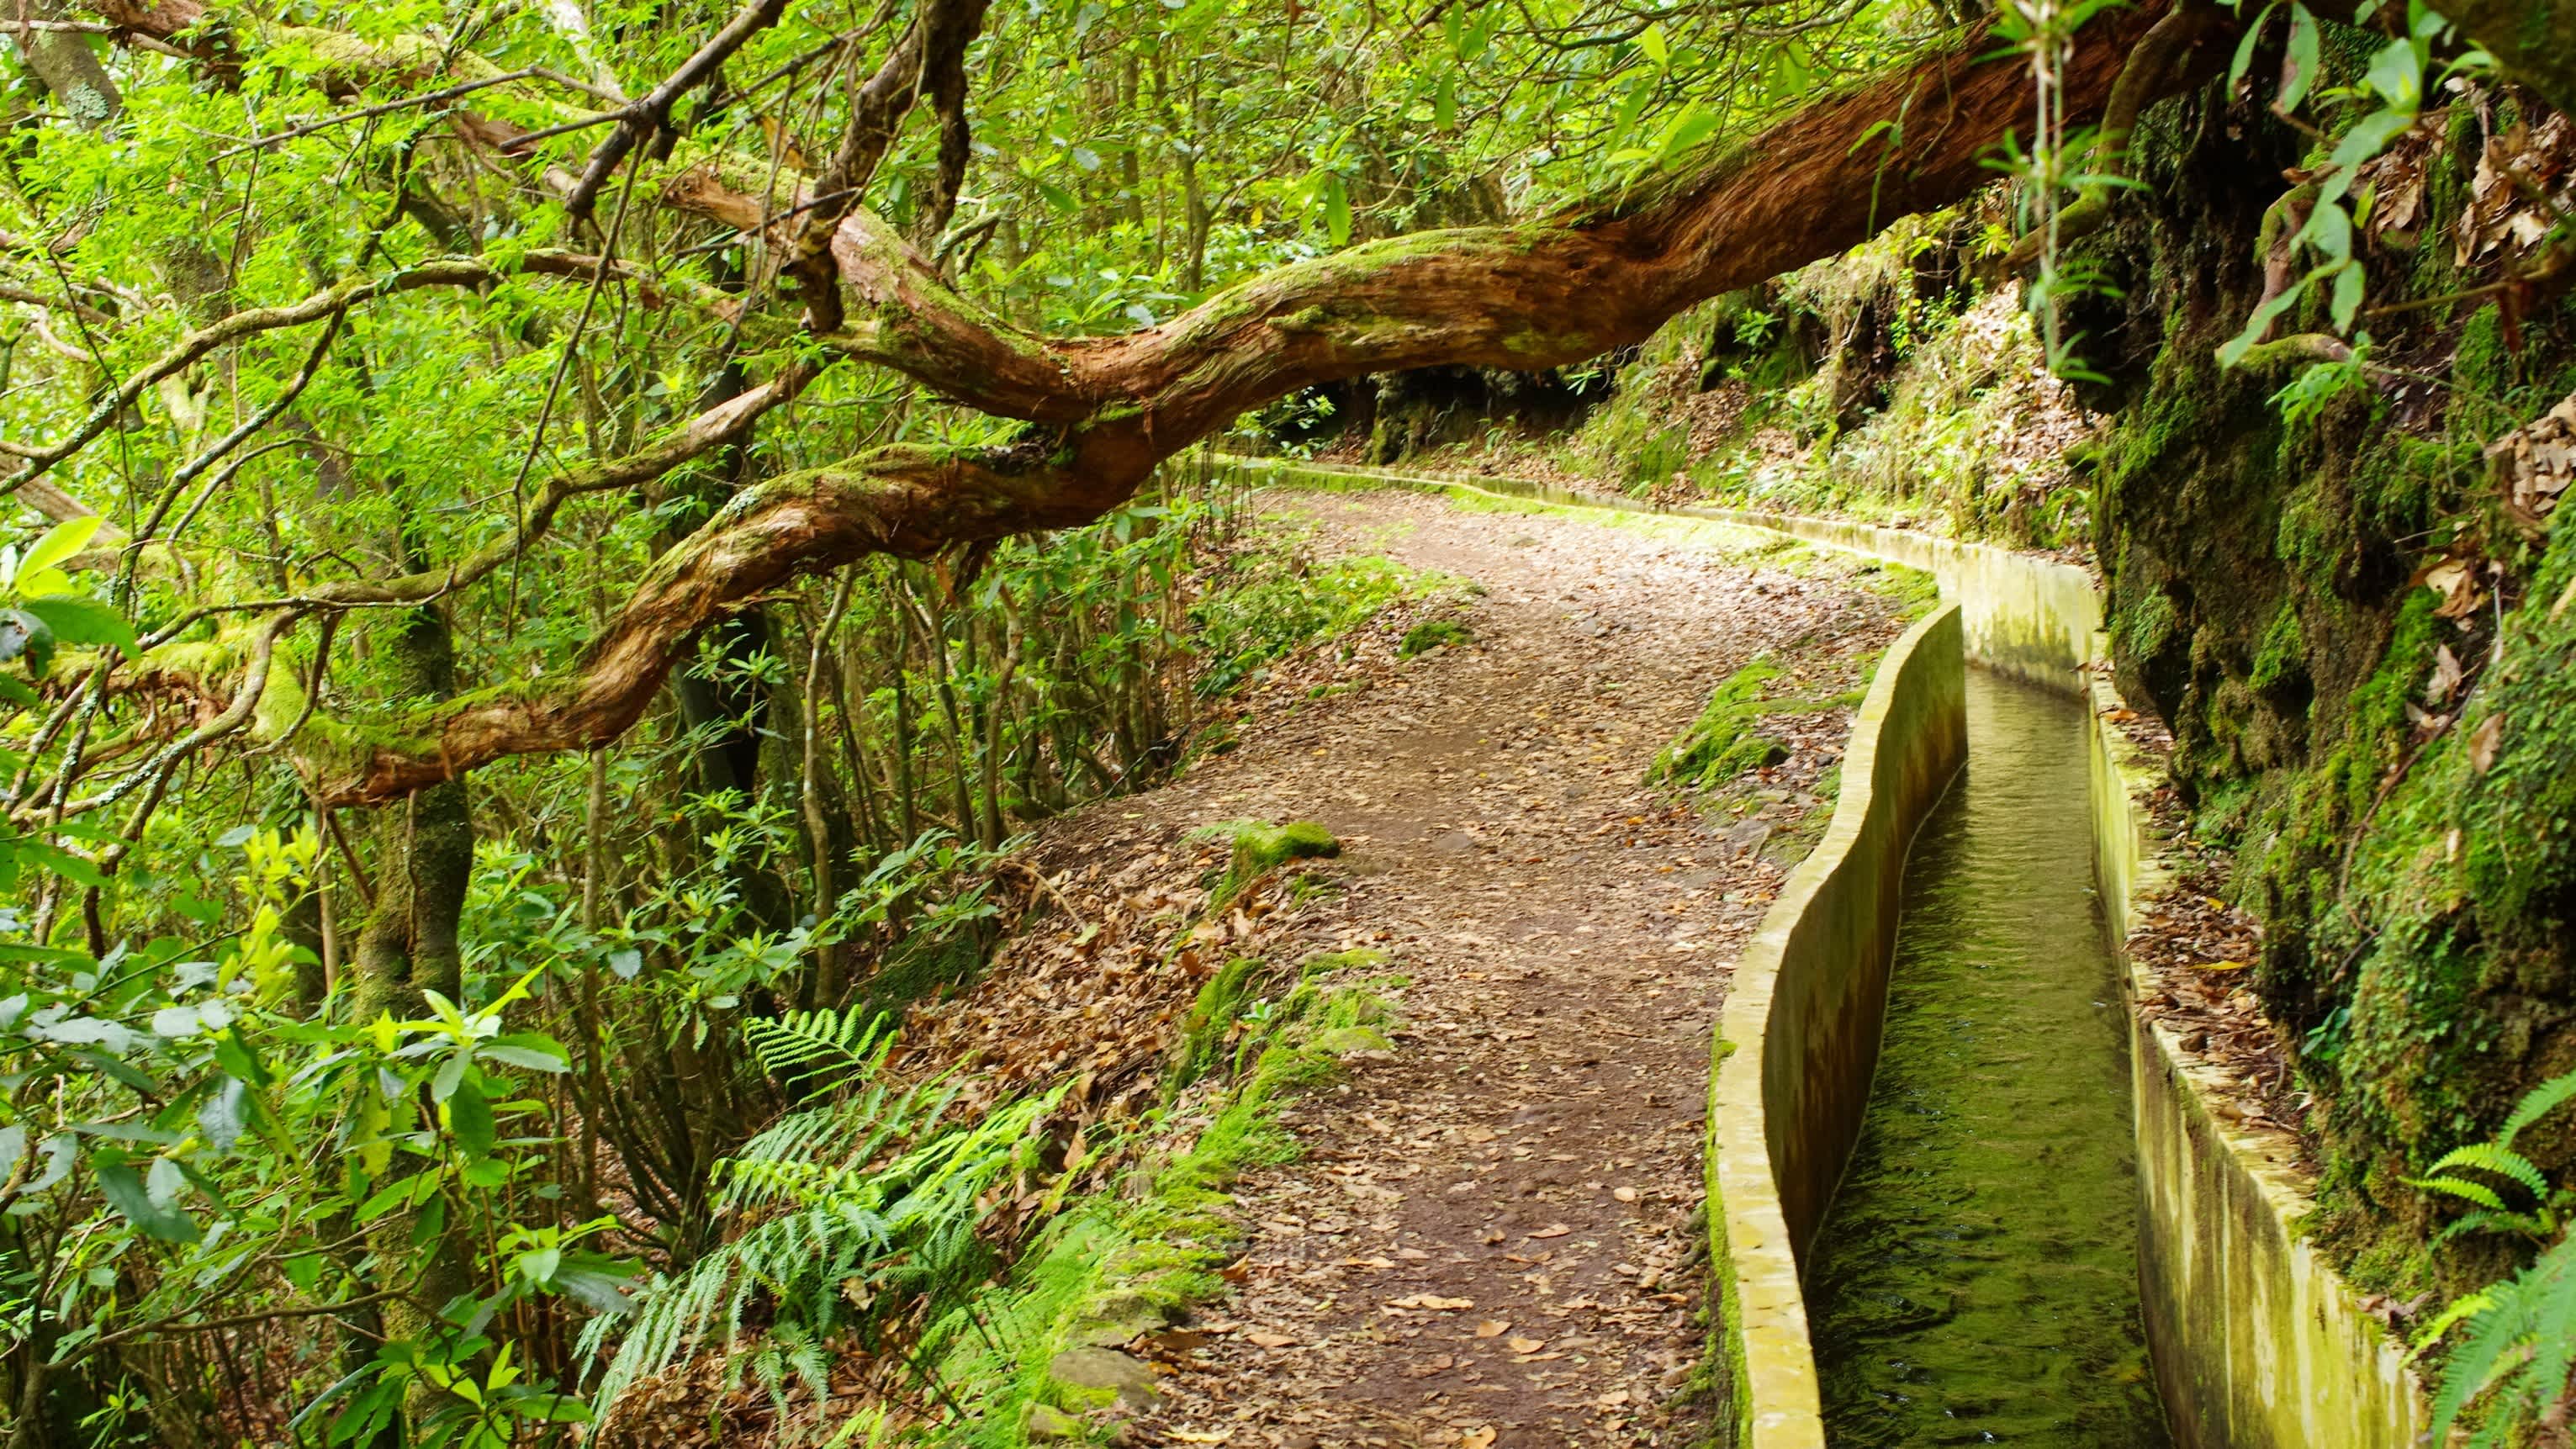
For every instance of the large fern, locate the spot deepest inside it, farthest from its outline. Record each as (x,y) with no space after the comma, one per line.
(2520,1346)
(2519,1352)
(862,1211)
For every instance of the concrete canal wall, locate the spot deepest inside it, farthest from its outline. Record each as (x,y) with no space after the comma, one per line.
(2258,1343)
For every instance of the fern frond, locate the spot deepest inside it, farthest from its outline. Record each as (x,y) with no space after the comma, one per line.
(2521,1348)
(905,1228)
(2536,1105)
(2498,1159)
(2483,1221)
(846,1046)
(2463,1189)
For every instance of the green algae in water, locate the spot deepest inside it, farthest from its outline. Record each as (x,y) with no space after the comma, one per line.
(1976,1279)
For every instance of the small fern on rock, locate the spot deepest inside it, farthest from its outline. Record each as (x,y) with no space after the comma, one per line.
(2518,1344)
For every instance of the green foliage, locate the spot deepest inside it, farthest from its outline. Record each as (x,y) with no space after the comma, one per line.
(2383,106)
(1150,1245)
(863,1214)
(1726,740)
(2513,1364)
(182,1137)
(803,1046)
(1271,605)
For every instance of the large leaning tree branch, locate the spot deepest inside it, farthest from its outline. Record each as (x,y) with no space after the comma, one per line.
(1103,412)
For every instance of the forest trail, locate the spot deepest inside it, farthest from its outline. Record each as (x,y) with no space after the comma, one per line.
(1489,1238)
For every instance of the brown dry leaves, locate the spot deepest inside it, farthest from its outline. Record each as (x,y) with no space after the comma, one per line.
(2522,187)
(2197,955)
(2535,462)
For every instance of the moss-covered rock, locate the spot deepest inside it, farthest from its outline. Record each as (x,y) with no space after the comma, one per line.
(2261,540)
(1726,740)
(1261,847)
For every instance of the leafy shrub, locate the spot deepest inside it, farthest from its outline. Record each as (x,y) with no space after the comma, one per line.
(1282,604)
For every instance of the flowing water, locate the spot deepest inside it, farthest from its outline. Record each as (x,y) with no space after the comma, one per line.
(1976,1278)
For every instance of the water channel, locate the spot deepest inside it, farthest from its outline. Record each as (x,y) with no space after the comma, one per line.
(1976,1279)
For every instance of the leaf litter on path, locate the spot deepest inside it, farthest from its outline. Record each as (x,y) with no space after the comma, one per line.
(1527,1160)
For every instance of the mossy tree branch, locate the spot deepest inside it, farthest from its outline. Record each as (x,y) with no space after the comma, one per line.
(1105,411)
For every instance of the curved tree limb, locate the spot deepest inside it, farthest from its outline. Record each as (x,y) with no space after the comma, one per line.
(651,113)
(1108,410)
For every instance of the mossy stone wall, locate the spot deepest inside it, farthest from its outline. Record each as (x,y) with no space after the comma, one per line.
(2265,596)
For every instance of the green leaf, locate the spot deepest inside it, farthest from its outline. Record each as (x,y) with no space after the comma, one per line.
(527,1049)
(1651,41)
(2397,73)
(2537,1104)
(469,1118)
(1695,124)
(125,1192)
(2245,48)
(61,862)
(59,543)
(2348,289)
(2367,138)
(1337,208)
(37,583)
(2502,1161)
(2329,230)
(2301,72)
(408,1192)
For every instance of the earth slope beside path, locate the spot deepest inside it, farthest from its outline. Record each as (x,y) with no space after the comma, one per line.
(1489,1238)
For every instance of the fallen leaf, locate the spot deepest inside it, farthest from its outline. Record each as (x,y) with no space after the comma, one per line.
(2483,742)
(1552,1230)
(1269,1340)
(1624,1194)
(1433,1301)
(1413,1255)
(1482,1438)
(1185,1436)
(1526,1345)
(1428,1367)
(2446,676)
(1492,1328)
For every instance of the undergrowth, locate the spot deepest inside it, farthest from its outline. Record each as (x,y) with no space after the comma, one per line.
(1140,1254)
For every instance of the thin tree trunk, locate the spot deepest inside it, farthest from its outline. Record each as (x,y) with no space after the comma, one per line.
(818,831)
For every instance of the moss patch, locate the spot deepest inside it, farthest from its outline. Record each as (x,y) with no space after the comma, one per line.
(1432,634)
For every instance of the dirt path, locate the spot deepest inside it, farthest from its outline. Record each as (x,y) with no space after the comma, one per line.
(1490,1237)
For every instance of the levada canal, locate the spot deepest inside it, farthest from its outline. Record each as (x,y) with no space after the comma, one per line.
(1976,1280)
